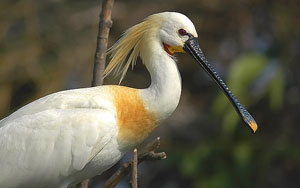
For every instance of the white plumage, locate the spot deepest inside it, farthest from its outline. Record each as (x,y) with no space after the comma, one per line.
(56,136)
(66,137)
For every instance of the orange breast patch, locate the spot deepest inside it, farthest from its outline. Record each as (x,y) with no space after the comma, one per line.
(134,121)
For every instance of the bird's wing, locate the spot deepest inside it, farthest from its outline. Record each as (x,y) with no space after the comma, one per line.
(95,97)
(52,143)
(55,135)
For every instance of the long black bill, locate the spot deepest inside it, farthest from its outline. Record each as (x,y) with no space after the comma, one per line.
(192,47)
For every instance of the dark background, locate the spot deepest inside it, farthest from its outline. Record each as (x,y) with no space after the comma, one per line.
(48,46)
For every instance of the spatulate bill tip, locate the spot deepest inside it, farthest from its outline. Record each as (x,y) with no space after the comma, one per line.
(247,118)
(252,125)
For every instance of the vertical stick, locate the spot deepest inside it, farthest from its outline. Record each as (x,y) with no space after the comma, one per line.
(134,169)
(102,40)
(147,153)
(105,23)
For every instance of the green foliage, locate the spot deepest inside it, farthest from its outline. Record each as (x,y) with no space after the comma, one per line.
(195,160)
(276,91)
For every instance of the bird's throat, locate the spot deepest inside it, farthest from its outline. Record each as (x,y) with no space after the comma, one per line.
(172,49)
(167,49)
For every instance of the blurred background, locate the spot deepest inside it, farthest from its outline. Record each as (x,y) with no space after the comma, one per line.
(48,46)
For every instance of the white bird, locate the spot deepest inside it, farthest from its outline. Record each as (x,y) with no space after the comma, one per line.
(66,137)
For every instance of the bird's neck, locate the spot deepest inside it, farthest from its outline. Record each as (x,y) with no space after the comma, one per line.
(162,97)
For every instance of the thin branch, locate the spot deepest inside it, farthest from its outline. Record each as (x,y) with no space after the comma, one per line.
(146,153)
(102,39)
(105,23)
(134,169)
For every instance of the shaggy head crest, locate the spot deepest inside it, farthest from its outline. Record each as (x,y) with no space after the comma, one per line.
(126,50)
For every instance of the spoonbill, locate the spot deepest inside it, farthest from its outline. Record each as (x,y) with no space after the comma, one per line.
(68,136)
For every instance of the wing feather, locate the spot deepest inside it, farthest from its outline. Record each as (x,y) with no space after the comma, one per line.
(95,97)
(44,142)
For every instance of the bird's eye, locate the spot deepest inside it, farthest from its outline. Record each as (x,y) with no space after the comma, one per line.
(182,32)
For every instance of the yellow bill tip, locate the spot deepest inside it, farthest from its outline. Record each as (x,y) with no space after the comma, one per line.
(253,126)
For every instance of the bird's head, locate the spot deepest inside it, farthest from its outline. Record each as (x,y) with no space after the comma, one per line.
(175,33)
(175,29)
(170,29)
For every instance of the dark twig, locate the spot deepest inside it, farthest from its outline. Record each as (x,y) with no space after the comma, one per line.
(105,23)
(146,153)
(102,39)
(134,169)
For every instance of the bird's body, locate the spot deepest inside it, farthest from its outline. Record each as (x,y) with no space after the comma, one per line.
(72,135)
(66,137)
